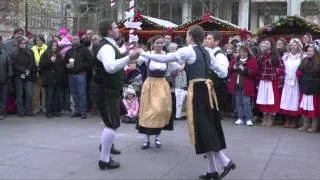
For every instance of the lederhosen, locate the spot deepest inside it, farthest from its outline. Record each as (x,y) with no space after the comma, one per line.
(106,89)
(204,121)
(155,106)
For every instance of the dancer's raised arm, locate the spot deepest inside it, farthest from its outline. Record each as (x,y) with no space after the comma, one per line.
(182,55)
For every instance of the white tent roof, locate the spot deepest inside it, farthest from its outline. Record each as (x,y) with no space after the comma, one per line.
(218,19)
(161,22)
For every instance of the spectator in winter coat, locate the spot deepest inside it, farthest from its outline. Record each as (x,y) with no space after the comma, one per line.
(5,74)
(10,44)
(38,91)
(79,61)
(23,64)
(52,67)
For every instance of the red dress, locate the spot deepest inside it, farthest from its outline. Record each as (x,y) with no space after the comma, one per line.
(268,72)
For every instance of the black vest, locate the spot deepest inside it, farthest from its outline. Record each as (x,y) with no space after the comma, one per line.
(112,81)
(200,68)
(218,82)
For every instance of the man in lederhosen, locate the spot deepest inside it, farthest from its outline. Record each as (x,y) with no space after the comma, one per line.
(204,123)
(107,84)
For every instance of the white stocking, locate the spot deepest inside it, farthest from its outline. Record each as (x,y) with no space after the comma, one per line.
(222,157)
(211,162)
(107,138)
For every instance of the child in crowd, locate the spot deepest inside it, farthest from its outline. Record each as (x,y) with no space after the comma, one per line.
(65,44)
(242,72)
(132,105)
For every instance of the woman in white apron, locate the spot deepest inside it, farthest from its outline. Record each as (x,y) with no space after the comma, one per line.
(290,97)
(309,75)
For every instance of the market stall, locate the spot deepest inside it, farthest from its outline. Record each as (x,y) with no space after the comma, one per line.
(291,26)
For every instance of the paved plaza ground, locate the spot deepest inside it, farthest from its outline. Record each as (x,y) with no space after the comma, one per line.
(65,148)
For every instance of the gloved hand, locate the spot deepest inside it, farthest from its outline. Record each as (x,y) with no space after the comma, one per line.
(299,74)
(22,76)
(27,72)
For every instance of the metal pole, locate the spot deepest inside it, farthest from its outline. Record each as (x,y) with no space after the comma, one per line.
(26,16)
(249,17)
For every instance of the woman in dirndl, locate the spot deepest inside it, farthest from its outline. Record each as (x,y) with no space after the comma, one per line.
(289,105)
(268,97)
(156,104)
(309,75)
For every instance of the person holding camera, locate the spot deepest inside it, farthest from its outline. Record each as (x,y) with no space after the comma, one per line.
(242,72)
(23,64)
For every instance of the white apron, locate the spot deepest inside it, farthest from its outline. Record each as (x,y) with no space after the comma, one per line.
(307,103)
(265,94)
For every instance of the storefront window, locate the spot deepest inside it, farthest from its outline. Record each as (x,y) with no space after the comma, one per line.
(311,11)
(162,9)
(197,8)
(176,11)
(271,12)
(154,8)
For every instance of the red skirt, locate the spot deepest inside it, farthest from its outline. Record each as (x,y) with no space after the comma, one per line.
(274,108)
(316,108)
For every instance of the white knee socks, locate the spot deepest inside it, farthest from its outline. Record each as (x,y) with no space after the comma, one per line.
(211,162)
(222,157)
(147,139)
(157,137)
(107,138)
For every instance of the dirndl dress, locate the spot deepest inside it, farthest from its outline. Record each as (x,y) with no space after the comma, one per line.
(155,105)
(204,121)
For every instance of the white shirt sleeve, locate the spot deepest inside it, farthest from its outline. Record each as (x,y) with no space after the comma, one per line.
(107,56)
(185,55)
(142,59)
(174,66)
(182,55)
(163,58)
(219,64)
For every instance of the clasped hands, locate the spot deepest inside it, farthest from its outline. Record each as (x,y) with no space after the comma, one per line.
(134,54)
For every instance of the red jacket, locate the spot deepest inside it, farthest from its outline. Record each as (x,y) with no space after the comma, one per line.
(249,88)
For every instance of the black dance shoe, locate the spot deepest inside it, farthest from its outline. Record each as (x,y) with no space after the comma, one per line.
(114,150)
(109,165)
(210,176)
(145,145)
(158,143)
(227,169)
